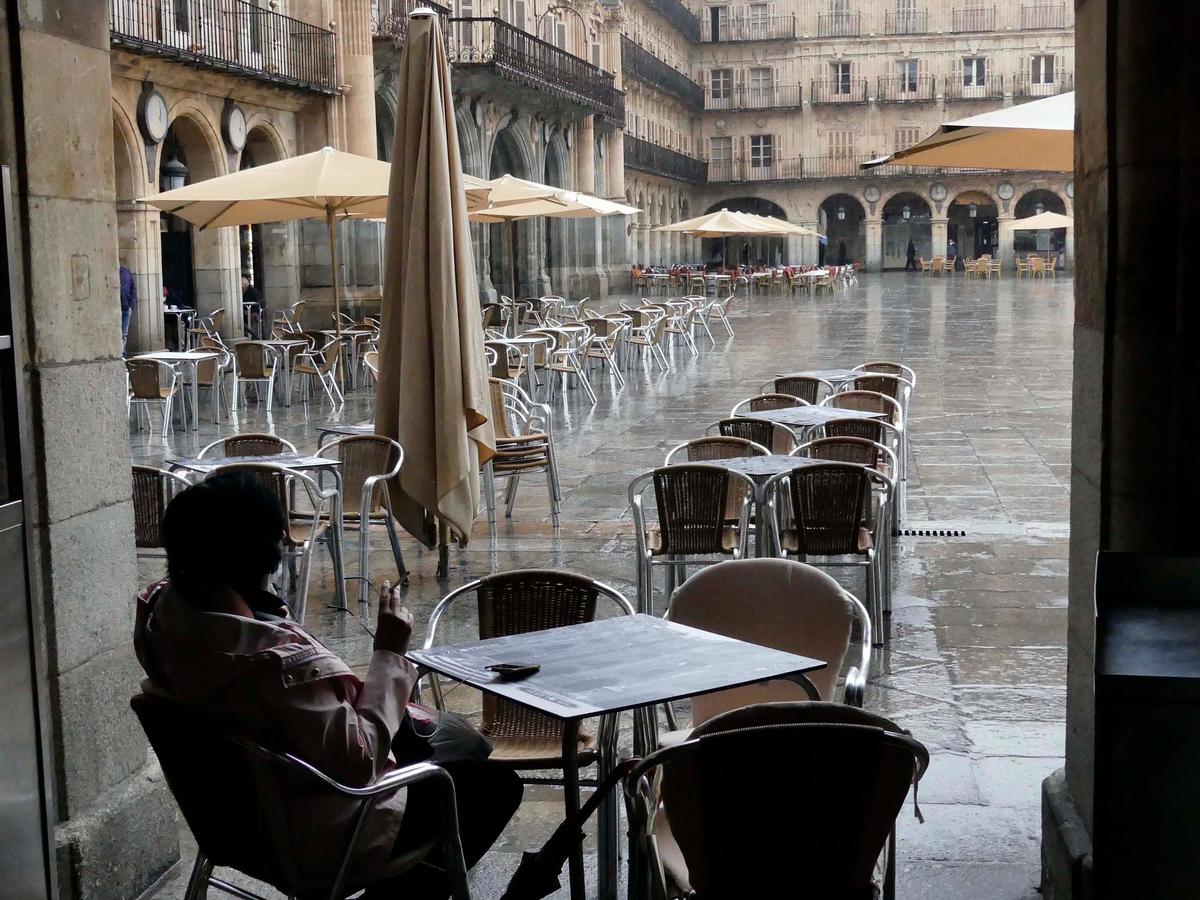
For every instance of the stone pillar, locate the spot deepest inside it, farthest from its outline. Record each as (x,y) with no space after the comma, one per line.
(281,267)
(1069,247)
(113,820)
(141,250)
(357,75)
(1004,233)
(939,236)
(874,239)
(615,157)
(216,269)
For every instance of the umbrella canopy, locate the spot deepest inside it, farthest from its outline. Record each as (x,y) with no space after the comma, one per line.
(1037,136)
(788,228)
(724,223)
(1044,220)
(433,390)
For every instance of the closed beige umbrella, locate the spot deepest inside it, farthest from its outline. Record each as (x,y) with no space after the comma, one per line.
(433,390)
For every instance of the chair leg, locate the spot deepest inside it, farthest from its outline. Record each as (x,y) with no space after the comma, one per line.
(364,553)
(552,489)
(394,539)
(510,497)
(587,384)
(302,586)
(198,882)
(489,494)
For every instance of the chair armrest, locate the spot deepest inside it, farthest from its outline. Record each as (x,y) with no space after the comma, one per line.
(856,683)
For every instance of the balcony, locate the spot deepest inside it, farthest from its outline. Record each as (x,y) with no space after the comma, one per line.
(757,28)
(647,68)
(389,18)
(493,45)
(905,89)
(974,18)
(678,15)
(777,96)
(816,167)
(909,21)
(839,90)
(991,89)
(1043,15)
(228,36)
(1025,85)
(652,158)
(839,24)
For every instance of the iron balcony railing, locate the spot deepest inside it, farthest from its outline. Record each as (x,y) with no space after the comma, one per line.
(974,18)
(839,90)
(679,16)
(839,24)
(774,96)
(647,68)
(811,167)
(230,36)
(907,21)
(748,28)
(1043,15)
(905,88)
(389,18)
(519,57)
(1025,85)
(647,157)
(991,89)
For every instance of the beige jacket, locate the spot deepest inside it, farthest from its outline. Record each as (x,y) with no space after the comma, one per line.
(272,682)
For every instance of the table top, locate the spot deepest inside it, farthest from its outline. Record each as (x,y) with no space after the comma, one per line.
(282,342)
(834,375)
(347,332)
(764,466)
(179,355)
(361,428)
(179,310)
(523,339)
(290,460)
(611,665)
(809,416)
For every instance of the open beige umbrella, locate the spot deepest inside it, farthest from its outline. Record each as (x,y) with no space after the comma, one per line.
(1043,221)
(726,223)
(1037,136)
(433,390)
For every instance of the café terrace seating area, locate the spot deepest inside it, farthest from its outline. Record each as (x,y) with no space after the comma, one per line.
(842,480)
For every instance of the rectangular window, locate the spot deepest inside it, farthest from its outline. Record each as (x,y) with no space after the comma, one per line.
(841,144)
(180,8)
(906,70)
(718,21)
(720,84)
(839,7)
(906,137)
(974,72)
(757,21)
(720,158)
(760,86)
(762,151)
(839,73)
(1042,69)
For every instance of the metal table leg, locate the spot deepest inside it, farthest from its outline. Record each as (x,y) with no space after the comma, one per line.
(570,748)
(608,822)
(192,365)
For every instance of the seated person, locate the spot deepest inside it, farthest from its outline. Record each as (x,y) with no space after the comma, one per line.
(212,637)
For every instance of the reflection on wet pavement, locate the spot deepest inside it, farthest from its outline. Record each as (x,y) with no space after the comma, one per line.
(976,663)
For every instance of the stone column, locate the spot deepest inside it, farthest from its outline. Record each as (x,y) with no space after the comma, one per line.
(1005,243)
(141,250)
(357,75)
(113,820)
(939,236)
(874,239)
(281,267)
(216,263)
(1069,246)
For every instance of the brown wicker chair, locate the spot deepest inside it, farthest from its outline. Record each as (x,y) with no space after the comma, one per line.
(320,364)
(648,332)
(210,373)
(369,462)
(829,521)
(207,326)
(738,785)
(291,319)
(606,337)
(524,446)
(779,438)
(692,502)
(255,365)
(152,491)
(807,388)
(765,402)
(712,449)
(519,602)
(250,443)
(154,381)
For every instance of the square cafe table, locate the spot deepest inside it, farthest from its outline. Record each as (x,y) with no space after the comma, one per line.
(760,470)
(606,667)
(833,376)
(189,359)
(802,418)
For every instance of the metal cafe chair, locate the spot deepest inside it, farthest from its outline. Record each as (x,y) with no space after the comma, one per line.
(888,436)
(255,364)
(691,523)
(524,446)
(777,437)
(806,387)
(720,309)
(825,777)
(290,319)
(828,521)
(604,345)
(154,381)
(765,402)
(249,443)
(518,602)
(153,489)
(215,778)
(566,358)
(648,332)
(320,364)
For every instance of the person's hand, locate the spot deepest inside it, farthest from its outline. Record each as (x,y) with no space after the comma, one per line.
(394,628)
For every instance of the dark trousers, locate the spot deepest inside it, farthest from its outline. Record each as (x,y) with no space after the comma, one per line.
(486,794)
(911,263)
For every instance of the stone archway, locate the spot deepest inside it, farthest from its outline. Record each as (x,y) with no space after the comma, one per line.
(1032,203)
(907,218)
(269,254)
(137,234)
(749,251)
(557,250)
(973,226)
(843,221)
(509,156)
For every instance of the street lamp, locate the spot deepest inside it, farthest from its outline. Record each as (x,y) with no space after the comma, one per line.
(1039,209)
(841,213)
(972,210)
(906,212)
(174,174)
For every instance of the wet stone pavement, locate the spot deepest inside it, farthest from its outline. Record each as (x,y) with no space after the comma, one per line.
(975,665)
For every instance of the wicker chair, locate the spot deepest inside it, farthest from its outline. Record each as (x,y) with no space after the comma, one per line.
(829,522)
(320,364)
(494,315)
(154,381)
(720,309)
(519,602)
(706,449)
(766,402)
(648,332)
(605,340)
(370,362)
(207,327)
(800,798)
(255,363)
(681,321)
(692,503)
(891,439)
(778,438)
(152,491)
(566,358)
(291,319)
(524,446)
(210,373)
(368,463)
(250,444)
(807,388)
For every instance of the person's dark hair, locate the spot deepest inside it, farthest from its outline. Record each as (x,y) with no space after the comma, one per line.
(226,530)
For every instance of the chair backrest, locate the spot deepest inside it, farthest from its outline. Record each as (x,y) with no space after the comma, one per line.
(147,378)
(887,367)
(775,603)
(329,358)
(765,402)
(152,491)
(691,504)
(805,387)
(860,451)
(364,456)
(720,447)
(867,401)
(253,360)
(779,438)
(829,504)
(881,383)
(519,602)
(250,444)
(821,779)
(371,361)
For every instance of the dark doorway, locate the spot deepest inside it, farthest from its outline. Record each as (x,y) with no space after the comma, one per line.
(178,282)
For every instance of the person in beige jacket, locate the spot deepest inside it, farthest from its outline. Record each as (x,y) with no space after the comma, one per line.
(213,638)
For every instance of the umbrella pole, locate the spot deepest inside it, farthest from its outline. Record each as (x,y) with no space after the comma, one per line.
(512,258)
(331,226)
(443,567)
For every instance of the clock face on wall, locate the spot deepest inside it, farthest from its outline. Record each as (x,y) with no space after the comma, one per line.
(937,191)
(871,193)
(1006,190)
(153,118)
(233,123)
